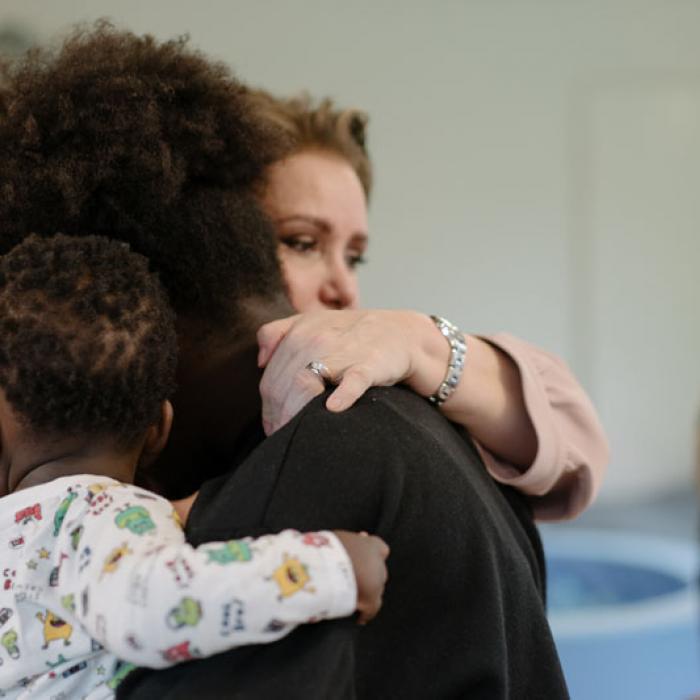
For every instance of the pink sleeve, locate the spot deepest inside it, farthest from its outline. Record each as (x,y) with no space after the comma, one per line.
(572,451)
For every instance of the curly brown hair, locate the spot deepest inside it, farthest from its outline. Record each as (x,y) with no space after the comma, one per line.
(150,143)
(304,124)
(87,338)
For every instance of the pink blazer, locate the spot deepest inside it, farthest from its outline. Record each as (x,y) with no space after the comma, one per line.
(572,453)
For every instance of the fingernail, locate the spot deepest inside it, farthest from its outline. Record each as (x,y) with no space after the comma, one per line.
(334,404)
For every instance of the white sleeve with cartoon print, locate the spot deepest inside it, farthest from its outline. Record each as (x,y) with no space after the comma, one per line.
(152,599)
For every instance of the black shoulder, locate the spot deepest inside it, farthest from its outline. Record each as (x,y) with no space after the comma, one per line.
(384,419)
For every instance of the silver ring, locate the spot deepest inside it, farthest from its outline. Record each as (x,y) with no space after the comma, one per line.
(319,369)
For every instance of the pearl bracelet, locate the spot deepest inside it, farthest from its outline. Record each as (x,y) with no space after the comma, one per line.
(455,365)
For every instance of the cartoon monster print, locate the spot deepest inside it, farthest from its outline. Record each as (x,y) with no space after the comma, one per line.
(55,572)
(75,536)
(233,550)
(85,558)
(121,670)
(134,642)
(180,652)
(17,543)
(188,612)
(60,660)
(68,602)
(181,571)
(61,511)
(8,576)
(54,629)
(24,591)
(136,519)
(5,615)
(114,557)
(315,539)
(97,497)
(274,626)
(9,642)
(26,515)
(232,617)
(76,668)
(292,576)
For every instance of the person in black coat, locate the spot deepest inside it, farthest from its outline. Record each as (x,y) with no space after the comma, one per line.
(463,612)
(152,144)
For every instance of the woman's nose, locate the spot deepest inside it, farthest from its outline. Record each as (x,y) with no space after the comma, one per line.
(339,290)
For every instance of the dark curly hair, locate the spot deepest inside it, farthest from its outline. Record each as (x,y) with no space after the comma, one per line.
(149,143)
(87,338)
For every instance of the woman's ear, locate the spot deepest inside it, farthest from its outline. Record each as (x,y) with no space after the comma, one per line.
(157,435)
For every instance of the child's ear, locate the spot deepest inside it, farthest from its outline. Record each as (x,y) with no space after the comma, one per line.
(157,435)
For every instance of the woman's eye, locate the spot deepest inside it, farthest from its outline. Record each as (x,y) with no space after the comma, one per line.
(299,244)
(355,260)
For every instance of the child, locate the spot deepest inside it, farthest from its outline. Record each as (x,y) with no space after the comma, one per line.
(96,575)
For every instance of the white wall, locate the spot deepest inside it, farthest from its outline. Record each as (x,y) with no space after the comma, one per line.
(537,166)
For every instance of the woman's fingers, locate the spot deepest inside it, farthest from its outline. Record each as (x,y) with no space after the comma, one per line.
(359,348)
(271,335)
(284,393)
(355,381)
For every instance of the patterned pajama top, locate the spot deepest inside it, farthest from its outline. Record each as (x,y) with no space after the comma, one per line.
(96,577)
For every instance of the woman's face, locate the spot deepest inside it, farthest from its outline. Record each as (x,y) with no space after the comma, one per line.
(318,206)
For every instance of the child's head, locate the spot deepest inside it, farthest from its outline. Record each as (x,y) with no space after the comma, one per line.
(87,340)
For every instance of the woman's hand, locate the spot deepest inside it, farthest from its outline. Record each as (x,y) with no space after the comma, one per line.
(381,348)
(360,348)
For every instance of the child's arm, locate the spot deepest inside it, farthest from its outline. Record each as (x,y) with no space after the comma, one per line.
(154,600)
(370,570)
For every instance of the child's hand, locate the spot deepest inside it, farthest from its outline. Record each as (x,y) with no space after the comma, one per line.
(368,554)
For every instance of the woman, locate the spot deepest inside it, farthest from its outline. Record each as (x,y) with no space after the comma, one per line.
(534,425)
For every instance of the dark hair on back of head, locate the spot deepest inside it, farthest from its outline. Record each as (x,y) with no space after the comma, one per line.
(87,338)
(150,143)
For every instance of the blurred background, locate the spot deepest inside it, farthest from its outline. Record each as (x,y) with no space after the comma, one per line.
(537,170)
